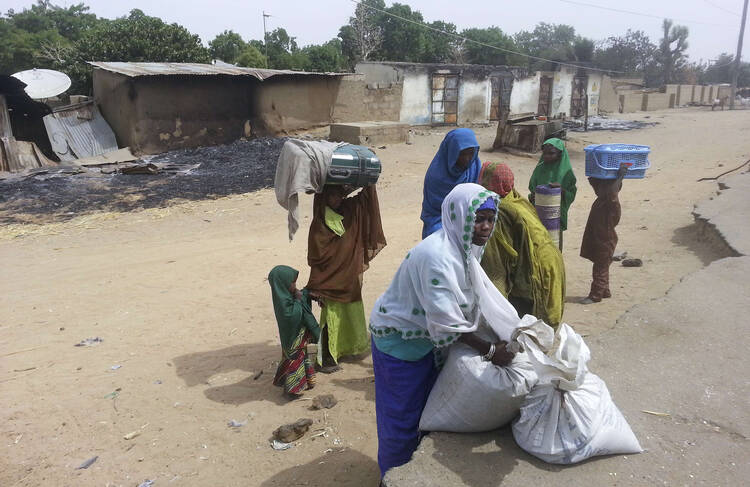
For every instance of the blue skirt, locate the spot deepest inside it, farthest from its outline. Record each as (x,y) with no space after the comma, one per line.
(401,391)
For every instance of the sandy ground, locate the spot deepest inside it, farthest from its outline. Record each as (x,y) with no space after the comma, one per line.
(179,297)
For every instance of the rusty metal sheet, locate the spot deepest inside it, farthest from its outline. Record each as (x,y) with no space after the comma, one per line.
(19,155)
(169,69)
(79,131)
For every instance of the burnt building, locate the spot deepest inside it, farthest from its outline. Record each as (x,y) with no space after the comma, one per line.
(155,107)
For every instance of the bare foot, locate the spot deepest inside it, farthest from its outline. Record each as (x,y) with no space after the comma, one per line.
(589,300)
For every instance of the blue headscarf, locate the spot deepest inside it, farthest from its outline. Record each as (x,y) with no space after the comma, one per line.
(443,175)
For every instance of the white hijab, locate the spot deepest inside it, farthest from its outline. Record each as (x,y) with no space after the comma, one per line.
(440,290)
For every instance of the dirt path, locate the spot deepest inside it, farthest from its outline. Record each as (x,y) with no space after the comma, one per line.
(179,298)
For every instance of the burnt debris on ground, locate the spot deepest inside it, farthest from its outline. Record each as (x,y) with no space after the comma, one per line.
(62,193)
(603,123)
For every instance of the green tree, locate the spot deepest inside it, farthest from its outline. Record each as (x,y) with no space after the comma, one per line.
(42,36)
(583,50)
(720,71)
(363,36)
(327,57)
(7,50)
(281,49)
(671,54)
(251,57)
(135,38)
(402,41)
(481,54)
(631,53)
(438,47)
(349,50)
(549,41)
(227,46)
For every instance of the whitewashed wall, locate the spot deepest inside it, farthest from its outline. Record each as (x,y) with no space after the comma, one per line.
(524,97)
(594,90)
(562,88)
(474,101)
(415,99)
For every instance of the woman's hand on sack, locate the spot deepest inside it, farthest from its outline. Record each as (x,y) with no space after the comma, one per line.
(502,356)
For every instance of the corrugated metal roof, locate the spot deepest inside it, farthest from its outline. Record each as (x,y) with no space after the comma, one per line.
(79,132)
(168,69)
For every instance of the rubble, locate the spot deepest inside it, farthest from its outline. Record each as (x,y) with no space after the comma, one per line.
(293,431)
(324,401)
(600,122)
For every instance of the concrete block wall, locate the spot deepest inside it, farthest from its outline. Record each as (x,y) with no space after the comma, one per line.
(358,101)
(631,102)
(725,91)
(674,96)
(608,100)
(369,133)
(656,101)
(684,95)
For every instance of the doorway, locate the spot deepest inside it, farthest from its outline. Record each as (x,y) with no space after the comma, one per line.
(545,96)
(501,88)
(579,98)
(444,99)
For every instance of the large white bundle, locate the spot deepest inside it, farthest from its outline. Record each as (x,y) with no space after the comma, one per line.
(569,416)
(472,395)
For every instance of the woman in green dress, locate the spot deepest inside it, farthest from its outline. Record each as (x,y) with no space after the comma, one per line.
(554,169)
(297,328)
(520,258)
(345,234)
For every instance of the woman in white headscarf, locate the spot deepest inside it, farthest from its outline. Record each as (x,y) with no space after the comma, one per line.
(437,297)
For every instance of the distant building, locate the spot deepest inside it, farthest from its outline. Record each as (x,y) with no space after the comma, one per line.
(459,94)
(444,94)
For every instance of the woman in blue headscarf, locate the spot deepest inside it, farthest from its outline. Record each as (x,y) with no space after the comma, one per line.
(456,162)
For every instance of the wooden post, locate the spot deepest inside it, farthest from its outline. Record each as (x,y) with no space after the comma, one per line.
(737,58)
(5,128)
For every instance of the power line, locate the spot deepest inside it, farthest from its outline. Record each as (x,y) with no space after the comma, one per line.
(721,8)
(466,39)
(660,17)
(714,66)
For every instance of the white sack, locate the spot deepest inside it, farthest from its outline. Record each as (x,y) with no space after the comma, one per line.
(472,395)
(569,416)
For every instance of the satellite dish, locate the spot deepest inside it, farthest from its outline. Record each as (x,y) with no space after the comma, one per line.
(43,83)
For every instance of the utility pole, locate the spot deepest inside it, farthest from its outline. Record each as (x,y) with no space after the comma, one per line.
(265,34)
(737,57)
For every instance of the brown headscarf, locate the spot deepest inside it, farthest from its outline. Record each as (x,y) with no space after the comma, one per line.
(337,263)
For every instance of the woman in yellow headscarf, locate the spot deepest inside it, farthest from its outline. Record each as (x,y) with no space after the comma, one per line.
(520,257)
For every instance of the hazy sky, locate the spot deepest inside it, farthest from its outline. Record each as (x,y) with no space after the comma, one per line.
(316,21)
